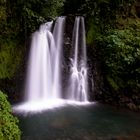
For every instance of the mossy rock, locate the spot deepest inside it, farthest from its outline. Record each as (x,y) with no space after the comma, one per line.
(9,129)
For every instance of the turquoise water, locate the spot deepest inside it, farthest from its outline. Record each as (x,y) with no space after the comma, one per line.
(91,122)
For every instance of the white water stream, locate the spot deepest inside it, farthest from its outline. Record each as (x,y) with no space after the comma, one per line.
(43,89)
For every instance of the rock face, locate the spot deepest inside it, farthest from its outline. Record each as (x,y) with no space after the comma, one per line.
(138,8)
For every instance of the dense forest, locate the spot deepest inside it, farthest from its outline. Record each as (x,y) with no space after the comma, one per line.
(113,42)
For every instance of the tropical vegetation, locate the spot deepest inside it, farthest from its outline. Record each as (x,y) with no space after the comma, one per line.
(113,38)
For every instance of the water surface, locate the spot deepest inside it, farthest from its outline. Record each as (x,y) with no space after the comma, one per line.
(92,122)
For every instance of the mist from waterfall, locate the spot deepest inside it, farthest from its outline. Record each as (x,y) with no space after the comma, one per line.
(43,88)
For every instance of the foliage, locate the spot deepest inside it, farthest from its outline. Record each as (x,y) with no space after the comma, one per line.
(107,8)
(9,60)
(8,123)
(114,31)
(92,31)
(53,8)
(120,53)
(19,19)
(24,17)
(101,15)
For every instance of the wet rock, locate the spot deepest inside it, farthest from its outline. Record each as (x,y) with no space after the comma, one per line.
(132,106)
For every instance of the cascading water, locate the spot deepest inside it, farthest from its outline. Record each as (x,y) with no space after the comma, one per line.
(44,75)
(78,79)
(43,88)
(58,37)
(40,77)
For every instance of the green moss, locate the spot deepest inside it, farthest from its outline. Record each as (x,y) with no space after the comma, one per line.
(93,30)
(113,84)
(10,57)
(8,123)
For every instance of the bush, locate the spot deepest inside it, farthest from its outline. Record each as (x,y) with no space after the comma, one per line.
(119,51)
(8,123)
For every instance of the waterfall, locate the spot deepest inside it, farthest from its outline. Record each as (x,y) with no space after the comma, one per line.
(58,37)
(43,88)
(39,67)
(78,79)
(44,76)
